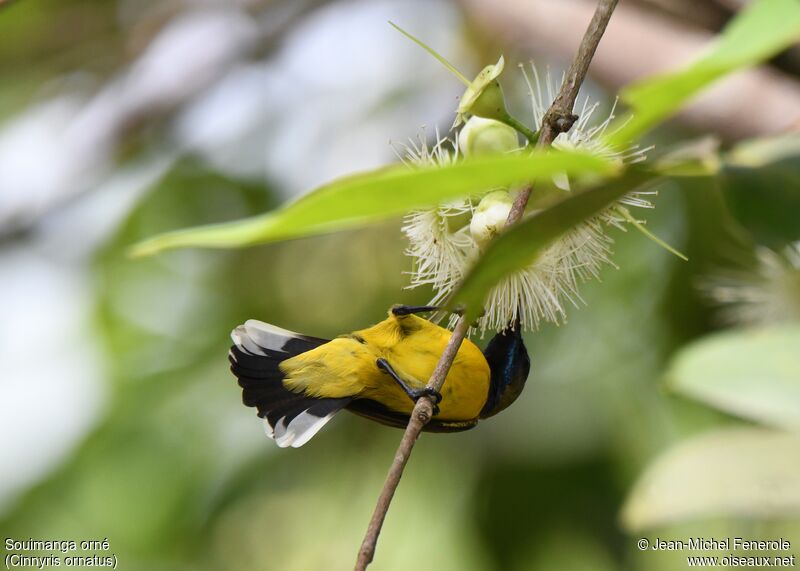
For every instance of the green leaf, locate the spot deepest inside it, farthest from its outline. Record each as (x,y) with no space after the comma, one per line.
(521,245)
(758,153)
(760,31)
(754,374)
(377,195)
(744,472)
(702,157)
(694,158)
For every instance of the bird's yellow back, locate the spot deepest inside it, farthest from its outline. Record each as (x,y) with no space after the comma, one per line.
(346,367)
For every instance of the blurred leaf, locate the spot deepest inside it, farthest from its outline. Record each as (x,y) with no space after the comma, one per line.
(699,157)
(757,153)
(765,200)
(702,156)
(742,472)
(520,246)
(760,31)
(750,373)
(377,195)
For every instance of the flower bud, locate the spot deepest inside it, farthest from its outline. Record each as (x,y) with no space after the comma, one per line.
(486,137)
(484,96)
(490,216)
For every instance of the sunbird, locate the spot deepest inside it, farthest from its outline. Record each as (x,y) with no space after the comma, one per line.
(298,383)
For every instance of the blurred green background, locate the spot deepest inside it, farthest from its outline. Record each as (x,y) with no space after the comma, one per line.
(119,418)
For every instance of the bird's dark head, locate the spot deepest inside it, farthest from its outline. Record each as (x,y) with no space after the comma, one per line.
(509,365)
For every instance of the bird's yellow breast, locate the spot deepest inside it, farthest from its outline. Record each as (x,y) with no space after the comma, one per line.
(346,367)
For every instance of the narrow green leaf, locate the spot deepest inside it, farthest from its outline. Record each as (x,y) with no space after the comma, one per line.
(439,57)
(641,228)
(763,29)
(377,195)
(754,374)
(522,244)
(741,472)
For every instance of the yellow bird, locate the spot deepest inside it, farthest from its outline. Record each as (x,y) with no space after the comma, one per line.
(298,383)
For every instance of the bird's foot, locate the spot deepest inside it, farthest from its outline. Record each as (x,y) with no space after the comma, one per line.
(413,394)
(436,396)
(426,392)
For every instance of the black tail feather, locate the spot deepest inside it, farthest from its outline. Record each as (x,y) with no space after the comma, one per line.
(291,419)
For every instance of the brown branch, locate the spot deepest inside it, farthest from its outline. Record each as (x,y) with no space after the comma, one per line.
(560,116)
(420,416)
(642,42)
(558,119)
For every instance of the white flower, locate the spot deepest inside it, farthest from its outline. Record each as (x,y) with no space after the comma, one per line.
(585,135)
(770,294)
(439,239)
(444,241)
(439,251)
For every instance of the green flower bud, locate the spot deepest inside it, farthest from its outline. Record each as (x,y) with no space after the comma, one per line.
(486,137)
(484,96)
(490,216)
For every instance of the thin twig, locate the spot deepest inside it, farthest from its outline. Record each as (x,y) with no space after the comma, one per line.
(420,416)
(560,116)
(558,119)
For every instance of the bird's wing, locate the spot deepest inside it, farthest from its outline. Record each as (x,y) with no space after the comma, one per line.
(341,368)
